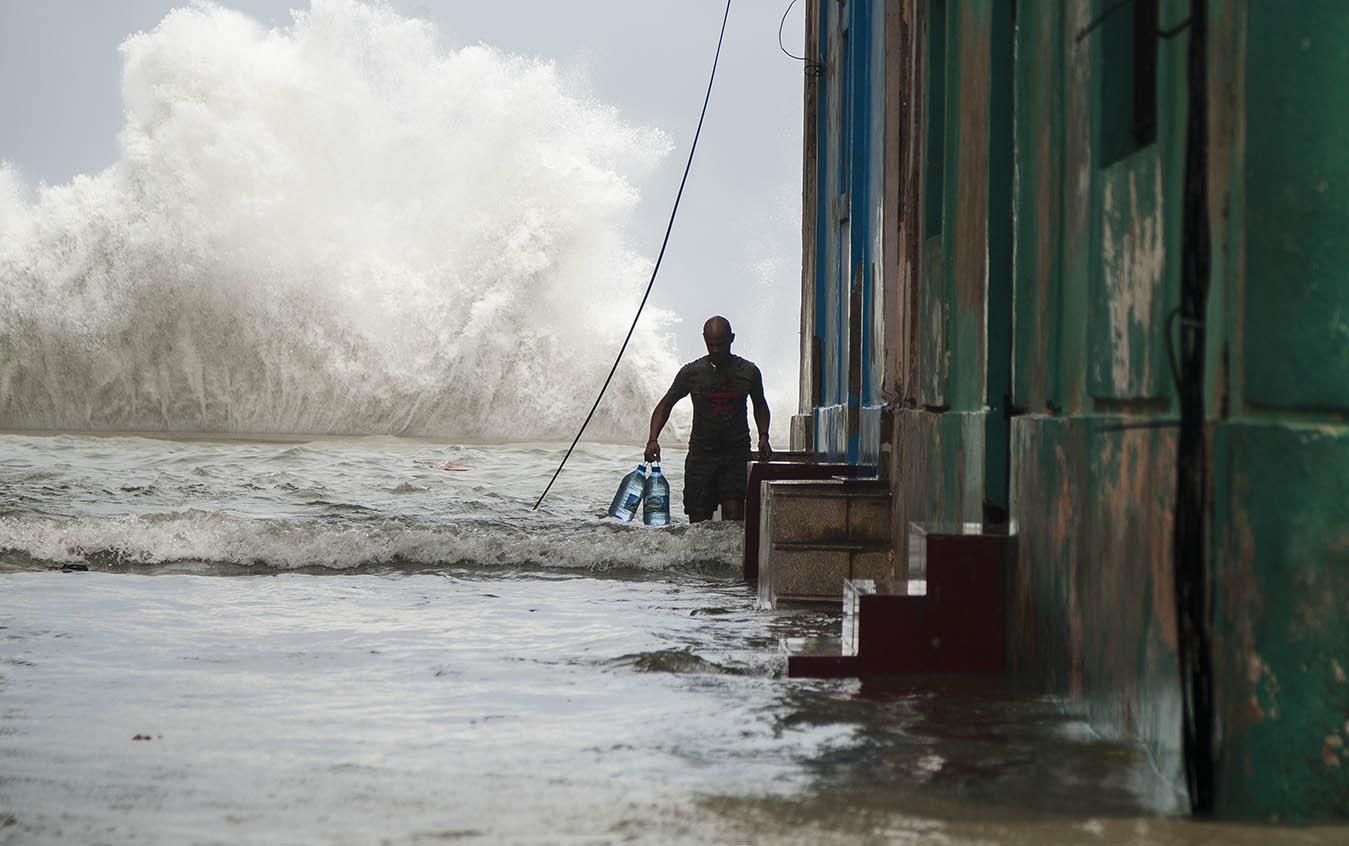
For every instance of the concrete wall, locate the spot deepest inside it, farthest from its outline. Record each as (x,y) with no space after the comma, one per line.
(1096,268)
(808,390)
(944,416)
(847,313)
(1092,611)
(1279,398)
(1028,269)
(1092,618)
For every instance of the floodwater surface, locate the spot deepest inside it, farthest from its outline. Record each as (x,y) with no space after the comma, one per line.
(338,641)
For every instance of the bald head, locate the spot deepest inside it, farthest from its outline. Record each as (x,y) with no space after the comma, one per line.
(717,335)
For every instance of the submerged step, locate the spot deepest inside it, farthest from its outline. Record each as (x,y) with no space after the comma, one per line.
(947,617)
(819,658)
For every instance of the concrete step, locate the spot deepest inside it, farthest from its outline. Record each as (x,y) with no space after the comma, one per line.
(782,467)
(819,658)
(815,534)
(948,617)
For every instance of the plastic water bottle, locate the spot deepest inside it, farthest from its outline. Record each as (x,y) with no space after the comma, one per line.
(629,495)
(656,511)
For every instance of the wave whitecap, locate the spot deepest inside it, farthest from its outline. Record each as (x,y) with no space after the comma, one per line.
(335,227)
(219,543)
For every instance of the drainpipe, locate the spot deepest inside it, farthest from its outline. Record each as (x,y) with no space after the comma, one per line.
(1191,524)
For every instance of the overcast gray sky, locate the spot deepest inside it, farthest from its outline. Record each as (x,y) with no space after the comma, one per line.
(735,247)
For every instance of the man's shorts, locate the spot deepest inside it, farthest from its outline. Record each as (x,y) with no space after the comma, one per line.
(711,478)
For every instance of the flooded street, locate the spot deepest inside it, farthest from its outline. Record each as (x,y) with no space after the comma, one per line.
(253,658)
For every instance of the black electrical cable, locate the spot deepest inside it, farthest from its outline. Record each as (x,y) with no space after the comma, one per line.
(781,24)
(813,69)
(661,255)
(1190,576)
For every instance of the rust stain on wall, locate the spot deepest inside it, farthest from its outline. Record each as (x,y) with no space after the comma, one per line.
(1066,518)
(1241,601)
(1076,170)
(971,259)
(972,181)
(1132,256)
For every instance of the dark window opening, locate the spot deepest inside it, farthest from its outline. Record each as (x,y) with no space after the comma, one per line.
(1128,40)
(1145,72)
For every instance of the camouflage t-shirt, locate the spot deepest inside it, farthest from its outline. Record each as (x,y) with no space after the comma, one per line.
(719,393)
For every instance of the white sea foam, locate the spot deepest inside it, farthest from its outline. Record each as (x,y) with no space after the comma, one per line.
(339,226)
(125,503)
(206,542)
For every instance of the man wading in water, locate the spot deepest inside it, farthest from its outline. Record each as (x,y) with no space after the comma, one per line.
(715,472)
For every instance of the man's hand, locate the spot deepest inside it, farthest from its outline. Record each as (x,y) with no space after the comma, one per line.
(652,451)
(765,450)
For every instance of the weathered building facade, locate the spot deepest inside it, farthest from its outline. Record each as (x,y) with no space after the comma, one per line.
(1060,272)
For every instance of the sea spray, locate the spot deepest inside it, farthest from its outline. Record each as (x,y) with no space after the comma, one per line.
(339,226)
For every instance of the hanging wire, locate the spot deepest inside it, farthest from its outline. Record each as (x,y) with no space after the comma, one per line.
(813,69)
(1100,19)
(670,226)
(1095,22)
(780,26)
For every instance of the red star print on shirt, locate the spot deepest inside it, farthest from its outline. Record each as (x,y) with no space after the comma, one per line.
(723,400)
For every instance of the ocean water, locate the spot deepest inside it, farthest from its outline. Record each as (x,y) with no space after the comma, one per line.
(338,641)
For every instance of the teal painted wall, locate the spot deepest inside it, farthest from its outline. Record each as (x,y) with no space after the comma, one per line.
(951,434)
(1095,272)
(1278,398)
(1295,320)
(1281,578)
(1094,619)
(1051,268)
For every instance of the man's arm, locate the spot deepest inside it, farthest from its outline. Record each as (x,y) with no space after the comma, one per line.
(659,416)
(761,419)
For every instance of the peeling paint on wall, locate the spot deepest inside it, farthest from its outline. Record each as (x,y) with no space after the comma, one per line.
(1093,454)
(1131,266)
